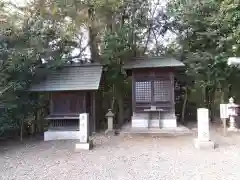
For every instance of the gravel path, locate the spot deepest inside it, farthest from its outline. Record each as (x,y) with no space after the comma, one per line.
(122,158)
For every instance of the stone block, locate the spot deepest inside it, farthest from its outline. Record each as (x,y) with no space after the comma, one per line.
(203,140)
(84,127)
(60,135)
(204,144)
(83,146)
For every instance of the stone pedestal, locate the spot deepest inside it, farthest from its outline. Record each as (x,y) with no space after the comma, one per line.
(85,143)
(203,140)
(232,125)
(141,120)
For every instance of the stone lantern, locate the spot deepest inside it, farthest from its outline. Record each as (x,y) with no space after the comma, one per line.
(109,117)
(232,113)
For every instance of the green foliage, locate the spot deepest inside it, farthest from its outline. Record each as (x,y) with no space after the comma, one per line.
(208,34)
(23,47)
(117,50)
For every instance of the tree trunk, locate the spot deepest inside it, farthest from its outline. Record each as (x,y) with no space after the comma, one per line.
(21,129)
(203,97)
(211,103)
(120,111)
(184,106)
(93,36)
(93,45)
(39,123)
(222,96)
(133,38)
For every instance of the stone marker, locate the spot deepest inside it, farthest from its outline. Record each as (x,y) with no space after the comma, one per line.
(203,141)
(85,142)
(224,116)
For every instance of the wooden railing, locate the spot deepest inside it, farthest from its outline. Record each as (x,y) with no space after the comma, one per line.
(63,123)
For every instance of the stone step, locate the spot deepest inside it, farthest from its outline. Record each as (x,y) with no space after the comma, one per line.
(158,132)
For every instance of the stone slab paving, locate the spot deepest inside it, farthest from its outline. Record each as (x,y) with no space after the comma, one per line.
(123,158)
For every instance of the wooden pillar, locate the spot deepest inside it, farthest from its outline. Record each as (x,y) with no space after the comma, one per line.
(51,107)
(84,102)
(172,95)
(93,107)
(50,97)
(133,92)
(172,88)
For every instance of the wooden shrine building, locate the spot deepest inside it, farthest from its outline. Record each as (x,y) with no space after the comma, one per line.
(72,90)
(153,98)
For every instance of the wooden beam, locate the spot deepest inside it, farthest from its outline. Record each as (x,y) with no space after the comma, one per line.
(62,117)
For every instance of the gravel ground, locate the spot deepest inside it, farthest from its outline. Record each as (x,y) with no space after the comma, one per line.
(123,158)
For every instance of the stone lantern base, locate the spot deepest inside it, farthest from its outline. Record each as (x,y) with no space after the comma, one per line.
(110,132)
(232,124)
(232,129)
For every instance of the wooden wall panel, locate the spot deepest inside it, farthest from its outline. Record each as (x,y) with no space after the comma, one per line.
(155,85)
(69,102)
